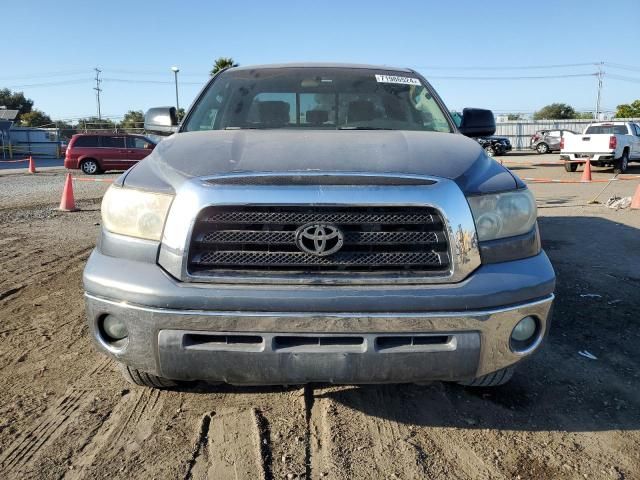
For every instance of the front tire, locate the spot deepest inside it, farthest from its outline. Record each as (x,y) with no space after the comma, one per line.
(622,164)
(542,148)
(490,151)
(570,166)
(144,379)
(491,379)
(90,167)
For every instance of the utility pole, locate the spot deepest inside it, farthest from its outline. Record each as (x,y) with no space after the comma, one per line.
(98,90)
(175,71)
(600,75)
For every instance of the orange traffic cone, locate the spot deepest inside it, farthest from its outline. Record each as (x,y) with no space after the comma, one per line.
(635,201)
(32,165)
(586,174)
(67,202)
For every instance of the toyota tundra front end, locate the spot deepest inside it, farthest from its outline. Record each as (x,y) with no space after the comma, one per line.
(318,223)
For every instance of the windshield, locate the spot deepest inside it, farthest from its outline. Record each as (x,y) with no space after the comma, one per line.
(317,98)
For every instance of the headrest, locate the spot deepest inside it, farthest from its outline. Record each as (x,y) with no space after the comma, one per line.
(274,112)
(317,117)
(361,111)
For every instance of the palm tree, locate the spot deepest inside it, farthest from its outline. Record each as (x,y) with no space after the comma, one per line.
(222,63)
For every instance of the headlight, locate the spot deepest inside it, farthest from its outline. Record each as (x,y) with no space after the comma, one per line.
(135,213)
(504,214)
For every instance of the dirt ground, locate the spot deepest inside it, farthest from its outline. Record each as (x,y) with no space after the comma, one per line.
(65,411)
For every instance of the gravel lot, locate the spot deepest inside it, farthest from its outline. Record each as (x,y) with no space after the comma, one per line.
(65,412)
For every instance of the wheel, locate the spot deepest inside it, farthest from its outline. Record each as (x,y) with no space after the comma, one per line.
(145,379)
(491,379)
(490,150)
(621,165)
(90,167)
(570,166)
(542,148)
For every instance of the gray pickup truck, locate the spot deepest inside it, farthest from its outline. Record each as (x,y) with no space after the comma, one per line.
(318,223)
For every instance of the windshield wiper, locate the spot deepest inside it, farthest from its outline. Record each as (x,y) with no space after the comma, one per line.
(363,128)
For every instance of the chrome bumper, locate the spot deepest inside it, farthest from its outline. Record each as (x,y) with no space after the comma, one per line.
(290,348)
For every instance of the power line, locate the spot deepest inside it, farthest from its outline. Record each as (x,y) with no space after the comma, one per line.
(50,84)
(623,77)
(623,66)
(527,67)
(151,72)
(43,75)
(519,77)
(136,80)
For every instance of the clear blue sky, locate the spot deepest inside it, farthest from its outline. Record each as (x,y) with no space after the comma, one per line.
(134,40)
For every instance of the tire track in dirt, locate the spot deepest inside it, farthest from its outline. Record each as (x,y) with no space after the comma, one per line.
(21,277)
(51,425)
(376,432)
(137,426)
(31,444)
(11,291)
(247,433)
(197,464)
(58,264)
(235,445)
(319,438)
(35,290)
(126,427)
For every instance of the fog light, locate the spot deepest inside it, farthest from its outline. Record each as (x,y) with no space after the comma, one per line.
(525,336)
(114,328)
(524,330)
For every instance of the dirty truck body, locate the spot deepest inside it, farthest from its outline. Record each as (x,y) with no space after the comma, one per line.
(318,223)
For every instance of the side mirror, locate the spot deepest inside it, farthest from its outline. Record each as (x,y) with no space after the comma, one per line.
(161,120)
(477,122)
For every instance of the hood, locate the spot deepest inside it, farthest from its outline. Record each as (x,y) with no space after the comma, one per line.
(445,155)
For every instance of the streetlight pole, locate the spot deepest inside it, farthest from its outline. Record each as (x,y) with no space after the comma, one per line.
(175,71)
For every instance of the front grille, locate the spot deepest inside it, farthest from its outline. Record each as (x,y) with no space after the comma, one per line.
(264,238)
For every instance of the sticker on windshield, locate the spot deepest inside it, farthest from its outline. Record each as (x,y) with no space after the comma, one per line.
(396,79)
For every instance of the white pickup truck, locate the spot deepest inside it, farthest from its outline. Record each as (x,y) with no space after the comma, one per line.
(605,143)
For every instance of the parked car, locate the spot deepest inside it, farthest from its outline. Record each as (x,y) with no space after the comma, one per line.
(318,223)
(504,141)
(95,153)
(545,141)
(494,145)
(605,143)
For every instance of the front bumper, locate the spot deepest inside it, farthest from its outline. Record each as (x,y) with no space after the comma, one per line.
(296,334)
(290,348)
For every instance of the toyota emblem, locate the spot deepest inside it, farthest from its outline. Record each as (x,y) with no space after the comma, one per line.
(319,239)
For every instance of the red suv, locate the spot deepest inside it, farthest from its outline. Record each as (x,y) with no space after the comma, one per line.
(95,153)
